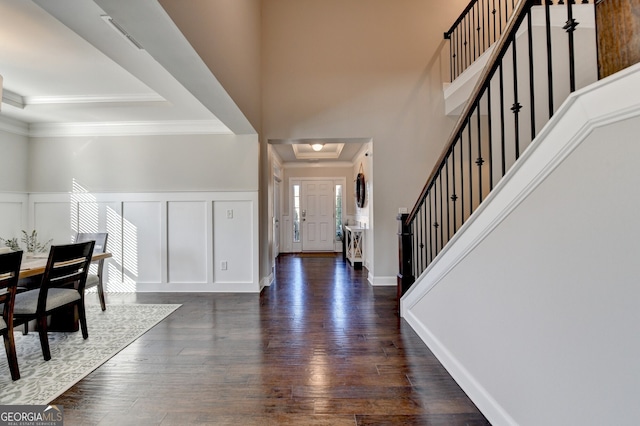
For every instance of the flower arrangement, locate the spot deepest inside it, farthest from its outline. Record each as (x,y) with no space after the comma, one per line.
(12,243)
(31,242)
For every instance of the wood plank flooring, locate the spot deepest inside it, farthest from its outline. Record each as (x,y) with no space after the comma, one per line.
(318,347)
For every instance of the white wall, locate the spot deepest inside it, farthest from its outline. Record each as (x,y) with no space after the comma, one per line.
(163,199)
(363,216)
(144,163)
(532,308)
(363,68)
(14,151)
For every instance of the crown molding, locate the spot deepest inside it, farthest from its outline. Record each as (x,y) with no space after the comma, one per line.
(13,99)
(193,127)
(16,127)
(93,99)
(311,163)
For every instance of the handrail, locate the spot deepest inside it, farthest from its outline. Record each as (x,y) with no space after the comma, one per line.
(506,109)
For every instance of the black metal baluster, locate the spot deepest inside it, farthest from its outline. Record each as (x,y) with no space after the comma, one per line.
(479,160)
(531,77)
(414,246)
(461,180)
(490,134)
(441,211)
(547,18)
(474,31)
(446,165)
(470,167)
(418,231)
(485,27)
(570,27)
(468,43)
(420,243)
(451,56)
(494,12)
(502,134)
(516,105)
(456,54)
(454,197)
(436,225)
(430,230)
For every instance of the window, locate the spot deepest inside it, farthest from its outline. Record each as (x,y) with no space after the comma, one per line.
(296,213)
(338,212)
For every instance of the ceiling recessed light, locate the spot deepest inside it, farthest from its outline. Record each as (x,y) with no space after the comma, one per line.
(317,146)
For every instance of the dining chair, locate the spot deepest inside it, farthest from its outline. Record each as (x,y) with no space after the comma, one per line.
(9,275)
(62,286)
(94,280)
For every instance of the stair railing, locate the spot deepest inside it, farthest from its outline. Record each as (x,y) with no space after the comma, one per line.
(510,103)
(477,28)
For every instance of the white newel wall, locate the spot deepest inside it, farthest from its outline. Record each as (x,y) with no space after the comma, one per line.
(532,307)
(169,241)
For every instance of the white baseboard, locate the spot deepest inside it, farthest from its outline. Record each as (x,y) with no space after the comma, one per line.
(382,281)
(266,281)
(491,409)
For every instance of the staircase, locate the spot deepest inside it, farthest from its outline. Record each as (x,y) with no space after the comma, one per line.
(518,262)
(503,100)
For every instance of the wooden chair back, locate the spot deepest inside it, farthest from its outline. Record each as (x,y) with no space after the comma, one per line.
(67,267)
(9,275)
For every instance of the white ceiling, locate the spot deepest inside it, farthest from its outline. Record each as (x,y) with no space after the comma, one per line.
(338,152)
(67,71)
(65,67)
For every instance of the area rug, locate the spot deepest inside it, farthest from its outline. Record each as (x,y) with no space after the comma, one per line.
(72,357)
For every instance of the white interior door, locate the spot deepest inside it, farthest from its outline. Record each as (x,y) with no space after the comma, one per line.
(317,210)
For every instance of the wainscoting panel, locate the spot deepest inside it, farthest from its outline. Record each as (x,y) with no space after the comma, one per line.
(187,241)
(54,220)
(142,239)
(167,242)
(105,217)
(233,262)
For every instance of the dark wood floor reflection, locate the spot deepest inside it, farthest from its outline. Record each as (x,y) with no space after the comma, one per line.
(318,347)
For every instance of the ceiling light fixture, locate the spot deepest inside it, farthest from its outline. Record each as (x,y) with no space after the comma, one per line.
(317,146)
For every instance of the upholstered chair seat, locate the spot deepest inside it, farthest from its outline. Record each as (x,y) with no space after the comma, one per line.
(27,302)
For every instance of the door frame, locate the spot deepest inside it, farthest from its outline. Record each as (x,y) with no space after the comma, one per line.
(276,214)
(286,233)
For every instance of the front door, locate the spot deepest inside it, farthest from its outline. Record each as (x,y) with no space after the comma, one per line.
(317,216)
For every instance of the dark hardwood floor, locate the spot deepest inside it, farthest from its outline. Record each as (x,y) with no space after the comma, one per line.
(318,347)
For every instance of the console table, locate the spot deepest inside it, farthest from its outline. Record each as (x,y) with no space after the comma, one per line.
(354,241)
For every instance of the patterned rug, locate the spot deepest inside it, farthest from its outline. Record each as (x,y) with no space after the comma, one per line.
(72,357)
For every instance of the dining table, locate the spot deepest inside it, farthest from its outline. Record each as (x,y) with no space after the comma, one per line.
(34,265)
